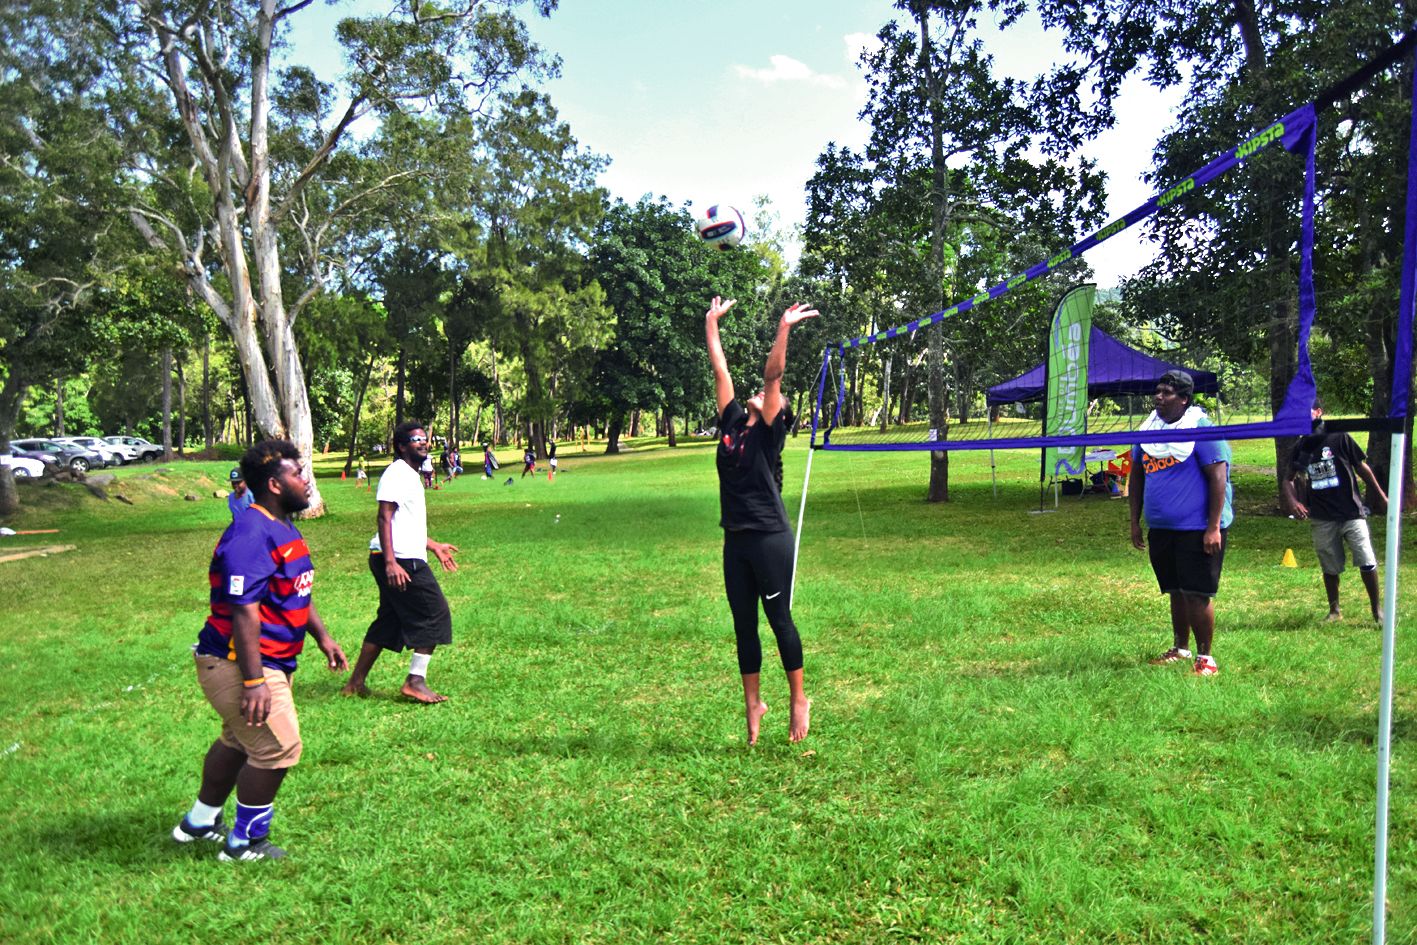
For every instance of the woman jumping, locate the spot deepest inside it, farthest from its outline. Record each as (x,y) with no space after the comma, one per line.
(757,541)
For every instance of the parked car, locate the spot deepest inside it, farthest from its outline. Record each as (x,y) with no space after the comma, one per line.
(22,467)
(112,455)
(40,456)
(76,458)
(143,450)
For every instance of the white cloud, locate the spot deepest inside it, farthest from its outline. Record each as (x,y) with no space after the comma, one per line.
(858,43)
(787,69)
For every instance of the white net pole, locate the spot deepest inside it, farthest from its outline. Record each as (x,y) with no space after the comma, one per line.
(797,540)
(1390,561)
(1385,700)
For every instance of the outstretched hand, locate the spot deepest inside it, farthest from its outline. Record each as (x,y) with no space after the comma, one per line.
(719,308)
(797,313)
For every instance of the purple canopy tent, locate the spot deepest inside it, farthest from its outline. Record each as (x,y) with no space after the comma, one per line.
(1112,368)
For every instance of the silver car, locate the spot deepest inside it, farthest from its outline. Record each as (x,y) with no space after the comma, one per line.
(142,449)
(112,455)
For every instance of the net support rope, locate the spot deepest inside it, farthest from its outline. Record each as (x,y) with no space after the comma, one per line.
(1294,131)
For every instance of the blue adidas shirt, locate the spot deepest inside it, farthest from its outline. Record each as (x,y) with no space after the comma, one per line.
(1175,491)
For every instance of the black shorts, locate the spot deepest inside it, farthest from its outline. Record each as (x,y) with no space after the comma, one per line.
(414,617)
(1179,560)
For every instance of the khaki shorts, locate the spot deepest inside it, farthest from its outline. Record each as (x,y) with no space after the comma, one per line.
(1330,537)
(273,745)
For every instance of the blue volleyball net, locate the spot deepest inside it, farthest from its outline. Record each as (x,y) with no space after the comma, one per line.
(1243,255)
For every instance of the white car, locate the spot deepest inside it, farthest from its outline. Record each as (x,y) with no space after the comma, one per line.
(126,454)
(23,467)
(142,449)
(109,452)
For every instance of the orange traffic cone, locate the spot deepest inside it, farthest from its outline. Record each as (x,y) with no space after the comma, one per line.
(341,475)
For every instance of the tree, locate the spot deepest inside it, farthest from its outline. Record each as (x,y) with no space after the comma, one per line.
(1247,62)
(949,137)
(538,210)
(58,182)
(658,278)
(250,227)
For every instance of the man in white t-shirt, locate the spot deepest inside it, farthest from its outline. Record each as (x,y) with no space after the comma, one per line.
(413,613)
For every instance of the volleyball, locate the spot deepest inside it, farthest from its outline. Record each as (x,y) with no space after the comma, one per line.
(720,225)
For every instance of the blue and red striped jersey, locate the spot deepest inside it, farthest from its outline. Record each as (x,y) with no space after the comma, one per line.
(260,560)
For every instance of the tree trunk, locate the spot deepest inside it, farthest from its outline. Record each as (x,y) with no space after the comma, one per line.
(612,436)
(59,408)
(207,432)
(1281,334)
(358,406)
(399,374)
(181,409)
(12,395)
(669,423)
(903,415)
(477,423)
(245,432)
(939,488)
(166,404)
(498,420)
(634,423)
(886,394)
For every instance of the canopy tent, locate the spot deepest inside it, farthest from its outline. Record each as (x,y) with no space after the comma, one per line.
(1112,368)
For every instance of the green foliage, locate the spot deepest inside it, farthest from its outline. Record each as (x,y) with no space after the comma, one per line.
(658,278)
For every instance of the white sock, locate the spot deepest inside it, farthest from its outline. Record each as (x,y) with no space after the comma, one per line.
(418,665)
(203,815)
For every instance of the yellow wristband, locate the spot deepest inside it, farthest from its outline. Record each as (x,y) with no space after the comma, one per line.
(253,683)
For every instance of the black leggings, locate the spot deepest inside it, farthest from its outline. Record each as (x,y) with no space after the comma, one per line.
(758,566)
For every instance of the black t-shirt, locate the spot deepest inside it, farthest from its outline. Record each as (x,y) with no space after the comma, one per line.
(748,495)
(1329,459)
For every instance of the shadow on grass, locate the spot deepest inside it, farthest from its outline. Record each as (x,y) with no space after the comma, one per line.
(1355,727)
(133,839)
(599,745)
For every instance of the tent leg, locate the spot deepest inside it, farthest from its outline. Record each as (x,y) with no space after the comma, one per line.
(993,476)
(797,540)
(1390,562)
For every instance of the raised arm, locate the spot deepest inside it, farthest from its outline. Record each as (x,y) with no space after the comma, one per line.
(777,360)
(722,383)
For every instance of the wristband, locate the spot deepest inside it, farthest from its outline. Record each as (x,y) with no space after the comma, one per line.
(253,683)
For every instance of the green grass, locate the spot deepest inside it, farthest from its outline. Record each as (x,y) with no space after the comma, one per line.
(990,759)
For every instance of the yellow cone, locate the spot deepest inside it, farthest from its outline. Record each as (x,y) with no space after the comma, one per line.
(1288,561)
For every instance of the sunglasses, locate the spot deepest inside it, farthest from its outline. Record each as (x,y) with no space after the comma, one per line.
(418,439)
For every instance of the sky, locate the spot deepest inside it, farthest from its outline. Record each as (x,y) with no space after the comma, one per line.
(724,101)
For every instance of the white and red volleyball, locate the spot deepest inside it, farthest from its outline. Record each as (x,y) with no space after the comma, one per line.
(720,226)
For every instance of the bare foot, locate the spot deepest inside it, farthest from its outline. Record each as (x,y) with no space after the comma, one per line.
(800,720)
(416,688)
(755,715)
(1333,617)
(352,688)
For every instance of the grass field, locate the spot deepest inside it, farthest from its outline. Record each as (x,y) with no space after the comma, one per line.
(991,759)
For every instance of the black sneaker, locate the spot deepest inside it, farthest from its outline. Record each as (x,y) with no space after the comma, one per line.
(186,833)
(261,849)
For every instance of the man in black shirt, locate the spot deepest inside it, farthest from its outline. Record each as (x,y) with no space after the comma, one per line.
(1333,507)
(757,541)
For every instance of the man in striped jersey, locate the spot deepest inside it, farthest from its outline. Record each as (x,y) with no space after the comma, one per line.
(261,576)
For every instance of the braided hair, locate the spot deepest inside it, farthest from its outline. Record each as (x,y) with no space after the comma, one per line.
(787,420)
